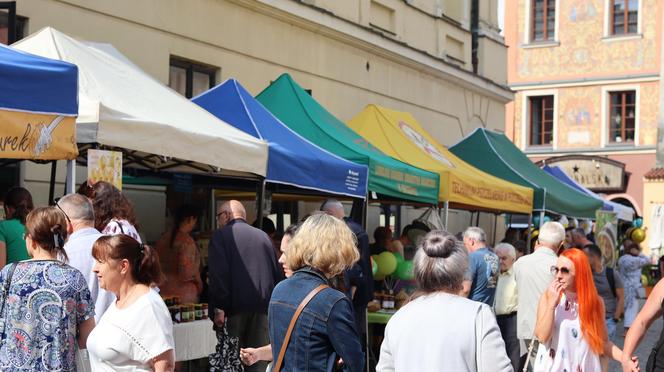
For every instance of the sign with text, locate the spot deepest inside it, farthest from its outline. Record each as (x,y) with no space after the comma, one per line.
(593,172)
(105,166)
(37,136)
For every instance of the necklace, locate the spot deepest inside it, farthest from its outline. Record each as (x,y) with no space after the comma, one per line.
(122,302)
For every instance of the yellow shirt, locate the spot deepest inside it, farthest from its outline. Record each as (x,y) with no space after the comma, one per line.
(506,293)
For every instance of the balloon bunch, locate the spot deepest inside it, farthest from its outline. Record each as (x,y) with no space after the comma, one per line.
(536,221)
(637,233)
(388,263)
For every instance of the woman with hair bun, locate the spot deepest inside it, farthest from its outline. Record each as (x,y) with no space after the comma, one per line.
(47,306)
(17,204)
(459,334)
(136,332)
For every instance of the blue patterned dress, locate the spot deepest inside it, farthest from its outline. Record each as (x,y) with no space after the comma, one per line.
(47,302)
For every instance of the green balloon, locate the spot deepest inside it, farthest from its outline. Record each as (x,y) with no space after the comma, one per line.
(374,267)
(387,263)
(405,270)
(399,257)
(379,276)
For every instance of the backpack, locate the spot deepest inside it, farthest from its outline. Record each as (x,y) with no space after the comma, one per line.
(612,281)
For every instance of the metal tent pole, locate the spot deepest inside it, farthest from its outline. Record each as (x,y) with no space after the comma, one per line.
(530,223)
(259,201)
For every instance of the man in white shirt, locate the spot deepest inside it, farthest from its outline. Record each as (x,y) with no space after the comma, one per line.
(533,276)
(82,235)
(506,302)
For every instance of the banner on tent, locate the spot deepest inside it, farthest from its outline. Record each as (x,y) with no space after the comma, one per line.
(37,136)
(105,166)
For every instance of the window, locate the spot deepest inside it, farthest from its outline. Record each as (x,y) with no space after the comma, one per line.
(12,27)
(624,17)
(541,120)
(189,78)
(543,20)
(622,116)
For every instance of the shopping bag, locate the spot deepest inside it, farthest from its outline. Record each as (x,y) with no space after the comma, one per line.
(226,357)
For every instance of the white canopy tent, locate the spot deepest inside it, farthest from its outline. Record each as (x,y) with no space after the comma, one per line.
(123,108)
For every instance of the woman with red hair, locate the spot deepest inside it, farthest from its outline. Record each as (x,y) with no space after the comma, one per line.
(570,320)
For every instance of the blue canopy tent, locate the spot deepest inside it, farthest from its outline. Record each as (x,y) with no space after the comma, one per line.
(292,160)
(623,212)
(38,106)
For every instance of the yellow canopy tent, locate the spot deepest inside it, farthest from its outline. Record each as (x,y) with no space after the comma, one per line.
(400,136)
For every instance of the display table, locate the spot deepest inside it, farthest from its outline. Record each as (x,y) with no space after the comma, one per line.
(194,340)
(379,317)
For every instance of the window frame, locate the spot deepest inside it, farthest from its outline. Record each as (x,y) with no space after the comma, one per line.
(623,114)
(608,23)
(525,124)
(16,24)
(542,119)
(190,67)
(529,29)
(545,28)
(612,19)
(606,113)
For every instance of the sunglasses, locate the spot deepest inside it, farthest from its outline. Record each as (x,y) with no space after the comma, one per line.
(55,202)
(563,270)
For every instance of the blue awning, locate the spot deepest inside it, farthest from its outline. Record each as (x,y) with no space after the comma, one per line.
(36,84)
(623,212)
(292,160)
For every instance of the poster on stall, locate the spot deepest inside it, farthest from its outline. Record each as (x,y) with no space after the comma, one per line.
(605,235)
(105,166)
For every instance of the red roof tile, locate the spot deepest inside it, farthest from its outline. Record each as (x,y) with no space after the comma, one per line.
(654,173)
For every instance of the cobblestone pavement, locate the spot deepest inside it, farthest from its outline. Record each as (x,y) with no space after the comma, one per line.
(649,340)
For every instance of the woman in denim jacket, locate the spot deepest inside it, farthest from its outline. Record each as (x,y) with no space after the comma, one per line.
(322,248)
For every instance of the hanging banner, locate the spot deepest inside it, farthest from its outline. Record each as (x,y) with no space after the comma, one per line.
(606,223)
(105,166)
(37,136)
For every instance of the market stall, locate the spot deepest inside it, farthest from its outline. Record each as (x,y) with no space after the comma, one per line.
(623,212)
(294,107)
(124,109)
(38,108)
(399,135)
(292,160)
(495,154)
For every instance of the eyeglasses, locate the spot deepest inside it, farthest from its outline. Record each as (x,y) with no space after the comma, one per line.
(563,270)
(220,213)
(55,202)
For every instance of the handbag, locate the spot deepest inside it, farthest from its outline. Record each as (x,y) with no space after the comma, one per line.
(226,357)
(298,311)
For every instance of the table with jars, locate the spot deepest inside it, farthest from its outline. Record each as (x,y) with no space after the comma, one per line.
(192,330)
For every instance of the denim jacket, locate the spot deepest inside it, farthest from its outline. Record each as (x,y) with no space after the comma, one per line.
(324,330)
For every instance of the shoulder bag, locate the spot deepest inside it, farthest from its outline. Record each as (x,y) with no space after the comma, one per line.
(298,311)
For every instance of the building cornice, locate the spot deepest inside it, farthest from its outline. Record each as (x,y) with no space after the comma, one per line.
(602,151)
(548,84)
(328,24)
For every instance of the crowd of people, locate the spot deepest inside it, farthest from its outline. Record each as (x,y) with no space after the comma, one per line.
(78,281)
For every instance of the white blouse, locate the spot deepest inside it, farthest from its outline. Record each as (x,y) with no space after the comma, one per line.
(567,350)
(128,339)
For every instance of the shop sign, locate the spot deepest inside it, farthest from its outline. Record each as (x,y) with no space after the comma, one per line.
(593,172)
(105,166)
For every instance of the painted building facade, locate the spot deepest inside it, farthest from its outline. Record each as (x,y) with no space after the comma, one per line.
(587,79)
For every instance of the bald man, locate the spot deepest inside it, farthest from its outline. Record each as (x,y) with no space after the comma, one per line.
(243,271)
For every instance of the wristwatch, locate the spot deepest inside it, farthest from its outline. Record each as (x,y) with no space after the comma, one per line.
(616,320)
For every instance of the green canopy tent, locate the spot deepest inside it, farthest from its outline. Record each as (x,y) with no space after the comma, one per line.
(494,153)
(387,176)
